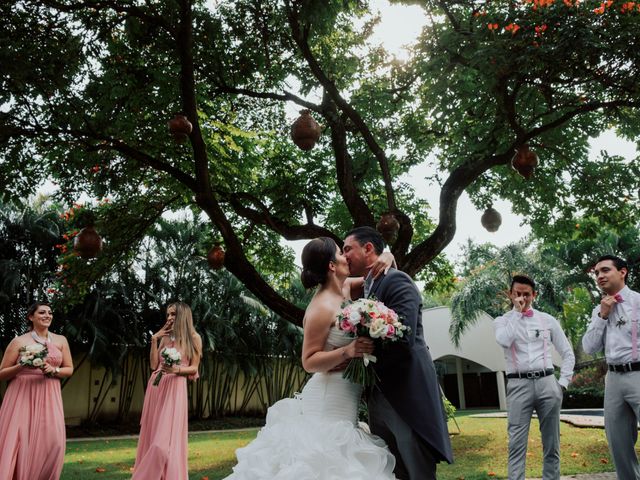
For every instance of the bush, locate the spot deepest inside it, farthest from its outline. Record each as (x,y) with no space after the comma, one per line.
(449,408)
(589,377)
(584,397)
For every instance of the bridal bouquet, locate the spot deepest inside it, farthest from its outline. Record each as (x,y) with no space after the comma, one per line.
(170,357)
(367,317)
(33,355)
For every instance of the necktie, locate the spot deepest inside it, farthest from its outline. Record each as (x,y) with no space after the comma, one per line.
(368,283)
(528,313)
(618,298)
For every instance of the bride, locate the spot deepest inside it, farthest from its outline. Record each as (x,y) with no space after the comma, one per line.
(315,435)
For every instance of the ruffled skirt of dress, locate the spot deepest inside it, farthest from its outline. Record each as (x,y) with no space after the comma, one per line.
(32,432)
(294,446)
(162,452)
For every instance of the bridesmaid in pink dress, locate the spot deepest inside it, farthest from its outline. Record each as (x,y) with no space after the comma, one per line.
(162,446)
(32,433)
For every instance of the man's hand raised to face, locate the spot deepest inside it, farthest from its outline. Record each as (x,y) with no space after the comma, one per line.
(519,303)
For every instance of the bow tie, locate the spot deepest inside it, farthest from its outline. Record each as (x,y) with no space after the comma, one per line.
(528,313)
(618,298)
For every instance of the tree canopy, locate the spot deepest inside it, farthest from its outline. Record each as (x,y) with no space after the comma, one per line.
(89,85)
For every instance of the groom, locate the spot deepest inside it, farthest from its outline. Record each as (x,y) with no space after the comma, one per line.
(405,407)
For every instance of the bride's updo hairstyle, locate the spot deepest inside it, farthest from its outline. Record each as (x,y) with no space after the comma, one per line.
(316,256)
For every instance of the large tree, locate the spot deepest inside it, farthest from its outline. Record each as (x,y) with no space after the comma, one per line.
(88,86)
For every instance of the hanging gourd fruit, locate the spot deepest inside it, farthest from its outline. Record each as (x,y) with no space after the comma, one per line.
(180,127)
(215,257)
(305,131)
(524,161)
(388,227)
(87,243)
(491,219)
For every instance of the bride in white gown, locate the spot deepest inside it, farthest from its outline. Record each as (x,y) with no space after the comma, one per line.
(315,435)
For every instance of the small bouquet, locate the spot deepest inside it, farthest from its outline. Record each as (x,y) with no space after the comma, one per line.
(33,356)
(367,317)
(170,357)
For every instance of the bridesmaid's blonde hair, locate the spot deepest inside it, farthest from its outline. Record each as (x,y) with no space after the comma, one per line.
(183,330)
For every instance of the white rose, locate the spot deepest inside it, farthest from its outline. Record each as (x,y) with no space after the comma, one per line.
(35,348)
(38,362)
(354,318)
(378,328)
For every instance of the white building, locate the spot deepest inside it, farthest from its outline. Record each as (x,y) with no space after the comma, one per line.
(472,375)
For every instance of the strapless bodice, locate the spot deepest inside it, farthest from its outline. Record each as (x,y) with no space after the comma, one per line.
(329,396)
(336,339)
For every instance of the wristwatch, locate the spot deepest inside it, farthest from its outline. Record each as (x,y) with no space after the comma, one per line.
(57,370)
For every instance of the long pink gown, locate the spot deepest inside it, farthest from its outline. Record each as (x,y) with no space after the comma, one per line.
(32,433)
(163,443)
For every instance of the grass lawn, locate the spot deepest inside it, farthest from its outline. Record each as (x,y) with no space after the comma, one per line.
(480,451)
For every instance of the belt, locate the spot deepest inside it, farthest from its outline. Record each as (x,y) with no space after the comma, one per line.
(625,367)
(536,374)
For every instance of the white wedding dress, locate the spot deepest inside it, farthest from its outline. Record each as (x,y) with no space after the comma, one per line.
(315,435)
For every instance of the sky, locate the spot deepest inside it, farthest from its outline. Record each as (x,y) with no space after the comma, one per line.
(400,25)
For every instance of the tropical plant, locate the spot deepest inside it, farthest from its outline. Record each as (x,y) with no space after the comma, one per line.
(28,235)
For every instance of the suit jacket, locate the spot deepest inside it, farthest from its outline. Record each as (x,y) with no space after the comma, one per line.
(407,375)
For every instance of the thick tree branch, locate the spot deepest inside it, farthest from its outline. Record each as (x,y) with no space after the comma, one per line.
(586,108)
(115,5)
(358,208)
(264,217)
(235,259)
(462,176)
(95,142)
(459,179)
(284,97)
(300,36)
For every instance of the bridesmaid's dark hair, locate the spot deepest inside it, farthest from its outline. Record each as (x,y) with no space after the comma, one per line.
(32,309)
(316,256)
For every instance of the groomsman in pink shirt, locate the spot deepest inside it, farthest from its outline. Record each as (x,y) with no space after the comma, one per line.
(527,335)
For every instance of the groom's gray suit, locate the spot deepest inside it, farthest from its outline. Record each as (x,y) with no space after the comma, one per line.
(405,407)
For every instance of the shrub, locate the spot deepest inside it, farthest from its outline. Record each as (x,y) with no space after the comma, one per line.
(584,397)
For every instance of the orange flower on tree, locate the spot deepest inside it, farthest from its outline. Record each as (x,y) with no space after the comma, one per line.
(540,29)
(513,28)
(492,26)
(599,10)
(628,7)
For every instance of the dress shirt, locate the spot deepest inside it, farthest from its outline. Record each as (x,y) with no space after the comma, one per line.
(614,334)
(525,337)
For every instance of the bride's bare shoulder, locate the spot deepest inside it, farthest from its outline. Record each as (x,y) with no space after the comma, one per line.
(322,309)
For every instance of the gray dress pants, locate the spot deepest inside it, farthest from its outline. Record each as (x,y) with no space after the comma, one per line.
(414,460)
(544,395)
(621,415)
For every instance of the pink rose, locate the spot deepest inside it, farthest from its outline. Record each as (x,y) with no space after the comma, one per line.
(346,326)
(391,330)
